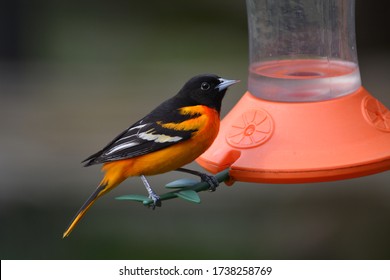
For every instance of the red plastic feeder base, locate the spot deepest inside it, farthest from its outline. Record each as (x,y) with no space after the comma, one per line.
(277,142)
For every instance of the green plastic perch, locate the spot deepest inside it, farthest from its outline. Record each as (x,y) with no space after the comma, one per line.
(187,189)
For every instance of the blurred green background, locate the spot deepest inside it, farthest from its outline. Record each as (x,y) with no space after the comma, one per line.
(73,74)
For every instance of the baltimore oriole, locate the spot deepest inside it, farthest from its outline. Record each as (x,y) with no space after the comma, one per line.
(171,136)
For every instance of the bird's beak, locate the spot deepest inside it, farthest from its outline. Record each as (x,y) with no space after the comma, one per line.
(226,83)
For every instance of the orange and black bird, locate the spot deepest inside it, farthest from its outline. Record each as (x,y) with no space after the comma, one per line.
(171,136)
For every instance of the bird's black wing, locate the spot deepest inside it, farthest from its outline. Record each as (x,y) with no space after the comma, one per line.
(145,136)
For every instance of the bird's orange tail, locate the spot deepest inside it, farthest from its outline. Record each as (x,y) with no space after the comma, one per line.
(101,189)
(113,177)
(105,186)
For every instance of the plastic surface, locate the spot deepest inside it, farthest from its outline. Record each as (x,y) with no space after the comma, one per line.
(302,51)
(281,142)
(305,117)
(303,80)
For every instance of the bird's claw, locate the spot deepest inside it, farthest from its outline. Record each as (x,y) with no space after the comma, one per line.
(156,201)
(211,180)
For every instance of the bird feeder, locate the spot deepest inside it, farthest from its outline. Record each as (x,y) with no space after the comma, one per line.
(305,116)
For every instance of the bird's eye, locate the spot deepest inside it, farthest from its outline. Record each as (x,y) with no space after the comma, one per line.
(205,86)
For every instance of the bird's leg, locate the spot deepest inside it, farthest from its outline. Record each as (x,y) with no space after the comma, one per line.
(152,194)
(209,179)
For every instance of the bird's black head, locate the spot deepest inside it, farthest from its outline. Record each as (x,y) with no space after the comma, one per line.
(206,89)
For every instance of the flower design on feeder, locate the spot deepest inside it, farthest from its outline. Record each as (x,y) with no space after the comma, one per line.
(376,114)
(254,127)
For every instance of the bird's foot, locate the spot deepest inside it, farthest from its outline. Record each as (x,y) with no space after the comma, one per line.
(211,180)
(156,201)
